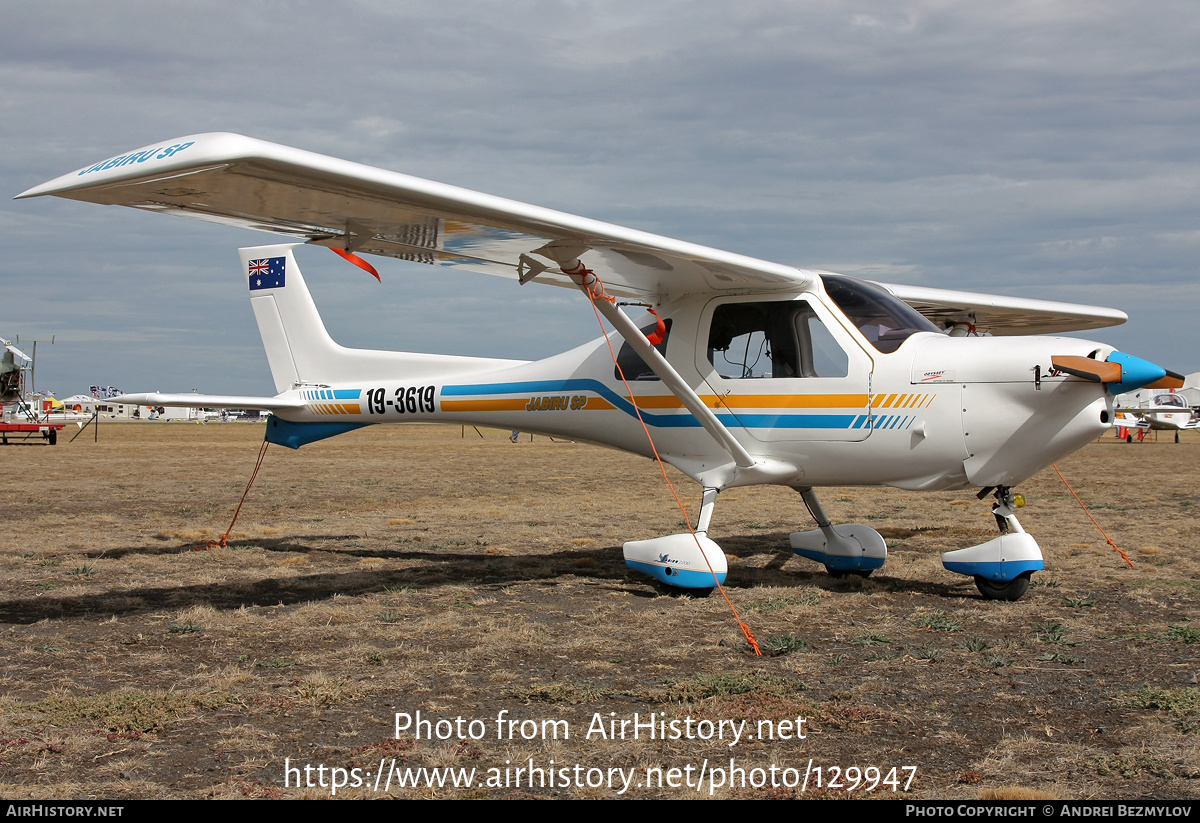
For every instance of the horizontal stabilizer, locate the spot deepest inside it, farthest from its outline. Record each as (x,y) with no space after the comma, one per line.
(210,401)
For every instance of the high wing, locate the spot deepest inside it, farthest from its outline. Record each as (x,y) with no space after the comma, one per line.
(228,178)
(241,181)
(1003,315)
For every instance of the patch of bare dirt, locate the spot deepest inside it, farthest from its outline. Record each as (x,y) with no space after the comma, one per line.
(395,570)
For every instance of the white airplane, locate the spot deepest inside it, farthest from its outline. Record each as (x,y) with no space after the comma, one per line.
(1154,409)
(12,372)
(757,373)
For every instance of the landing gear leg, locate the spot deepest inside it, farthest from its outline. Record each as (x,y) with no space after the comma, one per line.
(707,502)
(1002,566)
(849,548)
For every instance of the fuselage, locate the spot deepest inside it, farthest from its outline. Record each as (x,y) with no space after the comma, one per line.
(829,397)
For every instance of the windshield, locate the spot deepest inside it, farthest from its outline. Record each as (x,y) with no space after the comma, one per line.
(885,320)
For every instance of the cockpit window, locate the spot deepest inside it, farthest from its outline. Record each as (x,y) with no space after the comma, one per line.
(631,364)
(885,320)
(1170,400)
(775,339)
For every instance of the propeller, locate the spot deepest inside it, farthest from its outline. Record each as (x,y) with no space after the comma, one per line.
(1122,372)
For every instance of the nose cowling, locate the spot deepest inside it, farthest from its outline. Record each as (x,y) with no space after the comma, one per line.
(1026,401)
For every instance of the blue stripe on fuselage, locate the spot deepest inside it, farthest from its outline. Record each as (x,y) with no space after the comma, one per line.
(685,420)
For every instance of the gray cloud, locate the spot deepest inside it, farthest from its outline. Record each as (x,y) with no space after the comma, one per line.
(1028,148)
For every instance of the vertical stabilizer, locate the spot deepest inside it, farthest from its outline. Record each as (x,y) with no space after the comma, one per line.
(299,350)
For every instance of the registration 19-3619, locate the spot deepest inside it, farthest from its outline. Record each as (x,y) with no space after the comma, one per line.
(405,400)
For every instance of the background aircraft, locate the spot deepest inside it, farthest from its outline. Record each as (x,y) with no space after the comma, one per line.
(1155,410)
(12,372)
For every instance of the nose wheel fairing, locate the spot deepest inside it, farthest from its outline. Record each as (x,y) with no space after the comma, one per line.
(1002,559)
(1003,565)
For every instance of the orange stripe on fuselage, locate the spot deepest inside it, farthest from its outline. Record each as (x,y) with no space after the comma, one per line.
(335,408)
(502,404)
(758,401)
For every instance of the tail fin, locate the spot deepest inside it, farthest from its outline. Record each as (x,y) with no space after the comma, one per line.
(300,350)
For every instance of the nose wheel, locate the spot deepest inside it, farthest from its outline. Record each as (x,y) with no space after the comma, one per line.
(1002,566)
(1003,590)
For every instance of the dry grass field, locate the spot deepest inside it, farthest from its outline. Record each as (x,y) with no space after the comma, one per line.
(396,570)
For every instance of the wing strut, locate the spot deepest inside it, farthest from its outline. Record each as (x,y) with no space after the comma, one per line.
(586,280)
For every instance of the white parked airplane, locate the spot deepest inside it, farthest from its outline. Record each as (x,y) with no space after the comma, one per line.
(759,373)
(1154,409)
(11,372)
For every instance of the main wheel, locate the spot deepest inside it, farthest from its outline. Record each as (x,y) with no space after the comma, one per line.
(1003,590)
(841,573)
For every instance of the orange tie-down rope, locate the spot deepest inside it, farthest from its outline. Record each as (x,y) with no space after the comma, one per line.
(596,291)
(224,539)
(1089,514)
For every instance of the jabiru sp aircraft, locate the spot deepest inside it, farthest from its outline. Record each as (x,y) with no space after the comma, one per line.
(751,372)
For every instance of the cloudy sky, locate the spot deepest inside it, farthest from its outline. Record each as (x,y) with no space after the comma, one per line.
(1033,148)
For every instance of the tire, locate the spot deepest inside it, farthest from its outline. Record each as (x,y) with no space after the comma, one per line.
(1007,590)
(52,436)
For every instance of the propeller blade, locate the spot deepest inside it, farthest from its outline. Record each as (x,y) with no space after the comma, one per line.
(1173,380)
(1087,368)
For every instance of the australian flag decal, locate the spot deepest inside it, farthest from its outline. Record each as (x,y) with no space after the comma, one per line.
(267,273)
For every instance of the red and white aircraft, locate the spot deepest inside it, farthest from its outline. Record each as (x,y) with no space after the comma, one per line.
(758,373)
